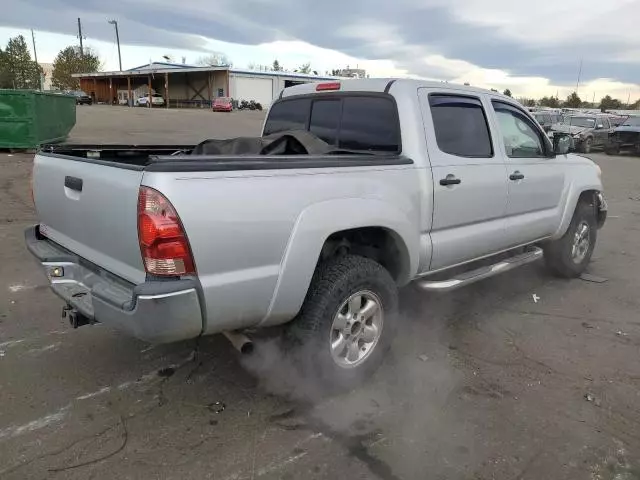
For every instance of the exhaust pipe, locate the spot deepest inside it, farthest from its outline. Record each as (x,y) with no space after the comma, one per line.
(76,319)
(240,342)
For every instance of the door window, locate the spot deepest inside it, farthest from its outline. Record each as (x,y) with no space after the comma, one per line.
(460,126)
(522,139)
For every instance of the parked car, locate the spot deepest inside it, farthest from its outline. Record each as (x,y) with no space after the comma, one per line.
(584,131)
(157,100)
(81,97)
(394,182)
(625,136)
(547,119)
(222,104)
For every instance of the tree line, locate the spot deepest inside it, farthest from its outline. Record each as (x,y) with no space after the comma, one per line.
(19,71)
(574,101)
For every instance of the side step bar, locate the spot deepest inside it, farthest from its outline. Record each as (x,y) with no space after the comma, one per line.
(481,273)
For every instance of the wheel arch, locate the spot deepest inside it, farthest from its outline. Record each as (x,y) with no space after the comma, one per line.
(324,228)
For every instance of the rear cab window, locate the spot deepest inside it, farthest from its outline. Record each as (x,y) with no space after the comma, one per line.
(347,120)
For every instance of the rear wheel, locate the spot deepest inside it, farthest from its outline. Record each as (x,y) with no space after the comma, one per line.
(569,256)
(346,324)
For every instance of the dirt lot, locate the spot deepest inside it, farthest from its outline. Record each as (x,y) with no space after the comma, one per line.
(486,383)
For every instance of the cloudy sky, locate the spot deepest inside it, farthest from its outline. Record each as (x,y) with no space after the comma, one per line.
(533,48)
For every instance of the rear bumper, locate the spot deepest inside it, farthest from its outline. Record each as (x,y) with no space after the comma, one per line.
(156,311)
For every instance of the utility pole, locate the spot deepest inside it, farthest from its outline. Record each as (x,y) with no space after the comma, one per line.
(115,24)
(35,56)
(579,73)
(80,37)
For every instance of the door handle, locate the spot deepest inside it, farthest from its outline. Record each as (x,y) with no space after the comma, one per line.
(74,183)
(516,176)
(450,180)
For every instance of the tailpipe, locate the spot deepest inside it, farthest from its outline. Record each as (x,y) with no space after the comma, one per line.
(76,319)
(240,342)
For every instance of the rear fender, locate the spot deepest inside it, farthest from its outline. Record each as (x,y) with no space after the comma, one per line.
(312,228)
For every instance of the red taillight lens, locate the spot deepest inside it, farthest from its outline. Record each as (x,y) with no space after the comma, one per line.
(322,87)
(163,244)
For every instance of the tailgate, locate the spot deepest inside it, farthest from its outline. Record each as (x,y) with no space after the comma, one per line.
(90,208)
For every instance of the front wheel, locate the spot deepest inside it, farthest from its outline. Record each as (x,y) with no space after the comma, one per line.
(586,145)
(347,322)
(569,256)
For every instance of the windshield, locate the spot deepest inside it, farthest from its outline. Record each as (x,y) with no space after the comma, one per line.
(586,122)
(632,122)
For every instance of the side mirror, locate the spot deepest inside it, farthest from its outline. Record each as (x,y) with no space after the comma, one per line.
(561,144)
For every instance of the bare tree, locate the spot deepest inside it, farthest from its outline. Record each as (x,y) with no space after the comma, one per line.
(215,59)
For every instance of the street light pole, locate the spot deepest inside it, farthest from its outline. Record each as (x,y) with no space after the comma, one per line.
(115,24)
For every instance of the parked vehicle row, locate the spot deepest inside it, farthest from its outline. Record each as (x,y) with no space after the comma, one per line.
(372,184)
(157,100)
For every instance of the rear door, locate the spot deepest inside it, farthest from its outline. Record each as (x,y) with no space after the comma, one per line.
(535,177)
(469,176)
(90,208)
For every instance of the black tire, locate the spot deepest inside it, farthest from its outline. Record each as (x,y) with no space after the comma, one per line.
(612,150)
(586,145)
(309,336)
(559,254)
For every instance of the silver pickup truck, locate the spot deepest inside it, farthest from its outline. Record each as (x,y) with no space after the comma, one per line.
(431,183)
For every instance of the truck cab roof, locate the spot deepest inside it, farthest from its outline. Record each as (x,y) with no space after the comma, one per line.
(378,85)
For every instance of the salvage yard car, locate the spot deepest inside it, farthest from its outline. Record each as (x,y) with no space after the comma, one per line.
(81,97)
(584,131)
(625,137)
(157,100)
(357,188)
(547,119)
(222,104)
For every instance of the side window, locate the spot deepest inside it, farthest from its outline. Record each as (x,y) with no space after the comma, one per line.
(369,123)
(325,120)
(288,115)
(461,126)
(522,139)
(604,121)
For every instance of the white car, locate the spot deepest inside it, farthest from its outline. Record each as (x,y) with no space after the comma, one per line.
(156,100)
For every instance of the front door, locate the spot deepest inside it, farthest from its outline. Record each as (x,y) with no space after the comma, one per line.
(601,133)
(535,177)
(469,178)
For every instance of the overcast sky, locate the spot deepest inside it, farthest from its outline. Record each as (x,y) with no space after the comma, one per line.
(533,48)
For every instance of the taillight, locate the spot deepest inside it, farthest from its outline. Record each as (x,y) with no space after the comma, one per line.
(163,243)
(322,87)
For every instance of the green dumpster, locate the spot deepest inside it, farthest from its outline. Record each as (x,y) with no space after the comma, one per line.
(29,118)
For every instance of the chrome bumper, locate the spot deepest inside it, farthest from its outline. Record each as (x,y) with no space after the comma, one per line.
(158,312)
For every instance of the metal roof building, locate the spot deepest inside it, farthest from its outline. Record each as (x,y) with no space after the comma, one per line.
(185,85)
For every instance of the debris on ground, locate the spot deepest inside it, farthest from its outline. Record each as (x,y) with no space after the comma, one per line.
(423,357)
(587,325)
(166,372)
(587,277)
(1,353)
(216,407)
(590,397)
(620,333)
(535,298)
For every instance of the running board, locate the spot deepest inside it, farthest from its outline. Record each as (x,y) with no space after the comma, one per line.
(481,273)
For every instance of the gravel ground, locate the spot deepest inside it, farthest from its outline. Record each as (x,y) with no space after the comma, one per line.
(485,383)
